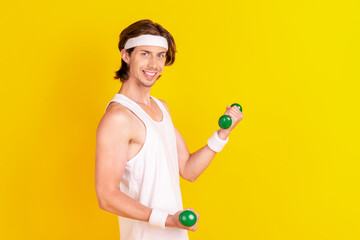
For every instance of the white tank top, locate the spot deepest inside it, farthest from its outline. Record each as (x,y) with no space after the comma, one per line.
(152,175)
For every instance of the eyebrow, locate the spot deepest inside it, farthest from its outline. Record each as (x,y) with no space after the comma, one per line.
(150,51)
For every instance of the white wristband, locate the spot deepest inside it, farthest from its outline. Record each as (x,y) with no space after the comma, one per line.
(158,218)
(215,143)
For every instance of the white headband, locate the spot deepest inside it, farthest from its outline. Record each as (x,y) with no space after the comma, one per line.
(148,40)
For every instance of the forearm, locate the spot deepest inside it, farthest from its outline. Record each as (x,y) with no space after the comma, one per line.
(201,159)
(198,162)
(125,206)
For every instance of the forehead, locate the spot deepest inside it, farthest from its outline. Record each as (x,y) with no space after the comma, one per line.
(153,49)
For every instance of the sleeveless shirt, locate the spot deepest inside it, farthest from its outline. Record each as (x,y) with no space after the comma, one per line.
(152,175)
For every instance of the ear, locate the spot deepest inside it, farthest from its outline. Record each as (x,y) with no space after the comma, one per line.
(125,56)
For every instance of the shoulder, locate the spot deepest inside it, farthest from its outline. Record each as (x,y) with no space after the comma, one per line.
(115,117)
(117,112)
(165,105)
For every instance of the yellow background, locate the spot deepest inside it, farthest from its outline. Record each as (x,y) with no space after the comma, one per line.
(291,167)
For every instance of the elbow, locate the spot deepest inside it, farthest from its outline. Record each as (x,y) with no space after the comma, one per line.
(186,174)
(106,200)
(103,198)
(102,204)
(189,178)
(192,179)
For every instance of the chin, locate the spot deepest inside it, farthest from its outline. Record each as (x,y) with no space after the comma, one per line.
(148,84)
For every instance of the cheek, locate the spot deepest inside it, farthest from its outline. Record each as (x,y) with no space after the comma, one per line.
(136,65)
(161,63)
(141,62)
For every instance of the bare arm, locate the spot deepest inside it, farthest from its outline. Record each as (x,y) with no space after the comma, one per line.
(112,140)
(192,165)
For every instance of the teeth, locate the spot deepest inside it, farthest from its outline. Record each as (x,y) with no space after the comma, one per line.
(151,74)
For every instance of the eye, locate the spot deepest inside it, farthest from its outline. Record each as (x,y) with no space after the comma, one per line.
(144,53)
(161,55)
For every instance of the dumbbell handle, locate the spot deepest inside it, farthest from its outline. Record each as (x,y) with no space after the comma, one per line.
(225,120)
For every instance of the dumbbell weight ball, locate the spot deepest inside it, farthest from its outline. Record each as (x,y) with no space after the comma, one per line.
(225,120)
(187,218)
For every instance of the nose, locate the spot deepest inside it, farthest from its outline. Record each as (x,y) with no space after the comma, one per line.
(152,63)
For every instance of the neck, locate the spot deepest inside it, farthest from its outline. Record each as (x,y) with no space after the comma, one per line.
(136,92)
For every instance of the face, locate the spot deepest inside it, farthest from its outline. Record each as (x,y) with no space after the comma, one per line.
(146,64)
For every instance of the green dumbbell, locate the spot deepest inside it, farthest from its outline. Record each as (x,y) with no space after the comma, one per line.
(225,120)
(187,218)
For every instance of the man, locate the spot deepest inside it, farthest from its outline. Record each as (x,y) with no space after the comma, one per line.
(139,153)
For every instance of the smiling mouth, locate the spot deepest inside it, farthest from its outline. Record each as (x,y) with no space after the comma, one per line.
(149,75)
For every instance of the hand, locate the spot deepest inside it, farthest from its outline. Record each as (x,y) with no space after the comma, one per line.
(173,221)
(236,116)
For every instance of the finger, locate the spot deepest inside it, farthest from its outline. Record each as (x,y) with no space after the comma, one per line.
(227,112)
(236,114)
(235,110)
(232,116)
(193,228)
(235,107)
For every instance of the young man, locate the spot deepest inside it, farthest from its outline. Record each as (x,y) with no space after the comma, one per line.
(139,153)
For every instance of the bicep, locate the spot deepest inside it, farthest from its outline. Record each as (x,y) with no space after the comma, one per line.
(111,154)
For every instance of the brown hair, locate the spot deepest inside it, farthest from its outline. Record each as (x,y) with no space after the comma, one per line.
(138,28)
